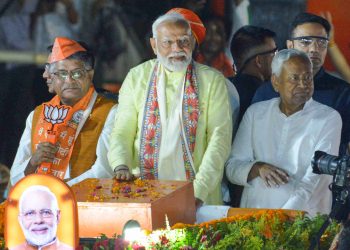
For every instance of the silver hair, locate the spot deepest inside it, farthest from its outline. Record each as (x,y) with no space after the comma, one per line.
(36,188)
(172,18)
(284,55)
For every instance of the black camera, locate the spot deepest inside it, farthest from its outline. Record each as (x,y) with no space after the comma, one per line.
(339,168)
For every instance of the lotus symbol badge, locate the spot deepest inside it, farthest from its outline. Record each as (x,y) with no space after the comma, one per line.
(54,114)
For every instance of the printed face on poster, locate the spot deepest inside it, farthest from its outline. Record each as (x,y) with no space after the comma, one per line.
(41,214)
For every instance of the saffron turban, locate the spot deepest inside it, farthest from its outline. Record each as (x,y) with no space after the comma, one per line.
(64,47)
(195,22)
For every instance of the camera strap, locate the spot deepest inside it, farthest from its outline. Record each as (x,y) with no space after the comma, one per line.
(315,242)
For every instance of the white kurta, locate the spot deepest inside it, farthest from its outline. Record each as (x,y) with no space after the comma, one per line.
(267,135)
(100,169)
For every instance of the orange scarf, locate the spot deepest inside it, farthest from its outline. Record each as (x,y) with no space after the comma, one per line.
(58,125)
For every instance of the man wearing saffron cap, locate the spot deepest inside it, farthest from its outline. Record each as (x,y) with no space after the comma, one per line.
(67,136)
(174,117)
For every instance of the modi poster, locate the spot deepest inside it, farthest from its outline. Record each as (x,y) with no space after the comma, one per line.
(41,213)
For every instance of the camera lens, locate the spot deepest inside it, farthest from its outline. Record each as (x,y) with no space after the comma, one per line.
(323,163)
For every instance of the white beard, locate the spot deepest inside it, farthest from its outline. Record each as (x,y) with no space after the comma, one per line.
(177,65)
(39,240)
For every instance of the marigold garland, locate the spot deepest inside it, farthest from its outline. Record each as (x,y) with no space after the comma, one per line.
(269,214)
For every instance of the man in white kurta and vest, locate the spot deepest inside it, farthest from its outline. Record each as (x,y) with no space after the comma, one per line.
(68,136)
(174,117)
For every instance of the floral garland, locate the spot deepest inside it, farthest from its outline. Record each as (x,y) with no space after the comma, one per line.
(265,230)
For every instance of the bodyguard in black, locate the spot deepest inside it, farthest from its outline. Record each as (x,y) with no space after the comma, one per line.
(252,50)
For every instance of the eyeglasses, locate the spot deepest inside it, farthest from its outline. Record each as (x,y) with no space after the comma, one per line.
(306,41)
(272,52)
(44,213)
(74,74)
(184,42)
